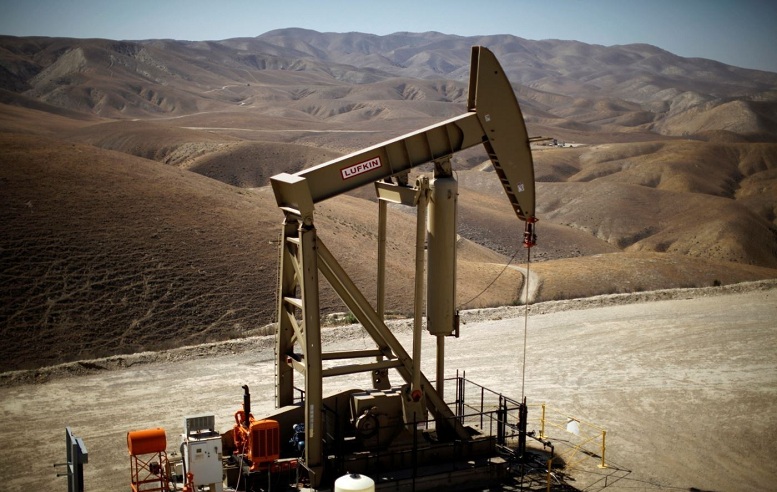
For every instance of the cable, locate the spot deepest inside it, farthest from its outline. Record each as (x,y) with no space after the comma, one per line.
(525,303)
(525,320)
(240,464)
(461,306)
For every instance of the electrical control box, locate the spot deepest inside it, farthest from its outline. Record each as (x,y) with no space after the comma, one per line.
(203,459)
(202,452)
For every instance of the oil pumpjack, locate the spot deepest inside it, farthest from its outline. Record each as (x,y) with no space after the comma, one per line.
(384,416)
(384,430)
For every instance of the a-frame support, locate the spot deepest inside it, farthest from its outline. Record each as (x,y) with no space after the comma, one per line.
(303,255)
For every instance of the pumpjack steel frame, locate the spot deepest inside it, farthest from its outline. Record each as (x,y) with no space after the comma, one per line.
(493,119)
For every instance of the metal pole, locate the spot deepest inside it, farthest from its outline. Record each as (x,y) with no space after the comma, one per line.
(314,427)
(482,400)
(382,207)
(440,365)
(418,302)
(380,378)
(604,448)
(550,465)
(501,420)
(523,417)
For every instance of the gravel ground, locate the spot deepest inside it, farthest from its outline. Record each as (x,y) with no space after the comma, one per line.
(683,381)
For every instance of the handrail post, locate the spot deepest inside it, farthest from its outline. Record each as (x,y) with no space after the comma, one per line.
(550,467)
(542,423)
(604,448)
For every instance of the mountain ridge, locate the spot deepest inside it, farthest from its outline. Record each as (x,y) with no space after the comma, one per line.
(148,78)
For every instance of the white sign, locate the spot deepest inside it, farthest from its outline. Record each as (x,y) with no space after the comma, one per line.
(360,168)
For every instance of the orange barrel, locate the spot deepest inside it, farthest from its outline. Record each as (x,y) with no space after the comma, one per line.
(146,441)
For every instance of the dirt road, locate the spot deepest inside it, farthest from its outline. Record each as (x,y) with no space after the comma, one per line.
(686,390)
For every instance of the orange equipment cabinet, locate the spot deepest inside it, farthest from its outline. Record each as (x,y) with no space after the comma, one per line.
(148,460)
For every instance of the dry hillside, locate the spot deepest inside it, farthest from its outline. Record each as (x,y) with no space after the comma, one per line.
(136,213)
(106,253)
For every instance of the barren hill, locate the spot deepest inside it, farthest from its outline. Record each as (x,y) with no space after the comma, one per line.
(106,253)
(136,212)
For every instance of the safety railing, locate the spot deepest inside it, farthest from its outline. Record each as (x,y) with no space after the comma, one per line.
(574,440)
(495,417)
(486,410)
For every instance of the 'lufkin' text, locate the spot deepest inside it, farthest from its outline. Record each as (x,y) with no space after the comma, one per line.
(360,168)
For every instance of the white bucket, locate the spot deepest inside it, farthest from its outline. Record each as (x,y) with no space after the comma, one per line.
(354,483)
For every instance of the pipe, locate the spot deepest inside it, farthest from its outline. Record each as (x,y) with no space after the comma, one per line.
(246,405)
(440,364)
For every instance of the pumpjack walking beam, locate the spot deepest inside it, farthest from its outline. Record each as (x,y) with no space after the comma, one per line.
(493,119)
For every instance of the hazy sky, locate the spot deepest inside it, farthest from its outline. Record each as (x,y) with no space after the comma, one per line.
(737,32)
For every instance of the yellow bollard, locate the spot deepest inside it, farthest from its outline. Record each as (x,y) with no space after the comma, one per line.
(604,448)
